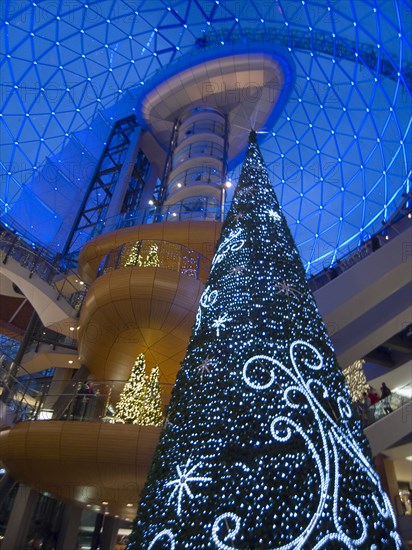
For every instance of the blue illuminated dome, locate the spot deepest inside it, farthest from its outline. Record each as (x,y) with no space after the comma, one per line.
(339,155)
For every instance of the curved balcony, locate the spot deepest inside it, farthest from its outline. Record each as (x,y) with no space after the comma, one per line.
(88,463)
(198,150)
(200,236)
(202,126)
(144,299)
(195,176)
(81,452)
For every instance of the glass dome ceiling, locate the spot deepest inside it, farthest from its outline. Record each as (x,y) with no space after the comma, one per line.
(339,156)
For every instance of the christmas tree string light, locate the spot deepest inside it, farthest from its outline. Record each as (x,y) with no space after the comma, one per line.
(134,257)
(153,401)
(262,449)
(152,259)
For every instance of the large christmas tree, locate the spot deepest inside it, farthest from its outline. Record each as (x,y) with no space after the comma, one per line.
(261,449)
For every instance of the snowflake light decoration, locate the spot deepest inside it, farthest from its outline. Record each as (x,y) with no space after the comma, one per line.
(237,270)
(287,289)
(204,367)
(220,322)
(181,483)
(274,215)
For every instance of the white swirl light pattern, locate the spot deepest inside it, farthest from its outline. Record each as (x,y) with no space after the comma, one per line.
(231,532)
(206,300)
(231,244)
(165,533)
(333,436)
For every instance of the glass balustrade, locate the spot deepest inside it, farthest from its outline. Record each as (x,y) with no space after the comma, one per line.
(196,150)
(162,254)
(398,398)
(29,399)
(202,127)
(194,176)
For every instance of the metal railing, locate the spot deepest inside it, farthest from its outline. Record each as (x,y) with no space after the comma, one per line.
(38,261)
(20,391)
(373,413)
(31,400)
(353,257)
(163,254)
(197,150)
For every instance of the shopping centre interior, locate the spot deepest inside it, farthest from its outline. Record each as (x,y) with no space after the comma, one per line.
(123,129)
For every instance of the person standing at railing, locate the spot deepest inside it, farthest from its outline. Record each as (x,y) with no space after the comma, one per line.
(364,409)
(386,395)
(385,391)
(90,410)
(82,401)
(373,396)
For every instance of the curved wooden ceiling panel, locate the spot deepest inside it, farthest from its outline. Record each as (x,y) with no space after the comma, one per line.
(85,463)
(134,310)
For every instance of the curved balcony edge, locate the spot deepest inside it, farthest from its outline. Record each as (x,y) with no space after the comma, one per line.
(200,236)
(82,463)
(137,310)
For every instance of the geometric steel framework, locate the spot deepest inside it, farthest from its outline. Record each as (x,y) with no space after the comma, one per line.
(137,181)
(339,156)
(97,198)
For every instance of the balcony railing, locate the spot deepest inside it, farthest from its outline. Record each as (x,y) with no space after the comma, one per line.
(196,150)
(214,127)
(29,399)
(38,261)
(162,254)
(373,413)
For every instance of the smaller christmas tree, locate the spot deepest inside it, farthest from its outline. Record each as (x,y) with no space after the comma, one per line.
(133,256)
(152,258)
(140,400)
(130,407)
